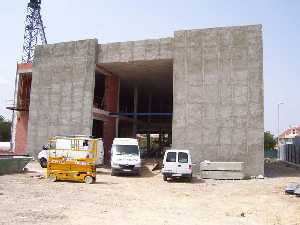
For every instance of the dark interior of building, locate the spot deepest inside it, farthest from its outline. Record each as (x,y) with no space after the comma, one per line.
(99,90)
(145,99)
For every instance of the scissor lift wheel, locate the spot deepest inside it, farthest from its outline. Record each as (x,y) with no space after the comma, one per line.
(88,179)
(52,178)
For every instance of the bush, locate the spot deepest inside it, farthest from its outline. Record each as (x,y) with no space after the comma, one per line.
(5,130)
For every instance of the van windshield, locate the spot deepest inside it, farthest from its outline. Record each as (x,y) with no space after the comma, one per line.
(127,150)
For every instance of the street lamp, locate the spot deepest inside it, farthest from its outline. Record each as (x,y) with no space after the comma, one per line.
(278,105)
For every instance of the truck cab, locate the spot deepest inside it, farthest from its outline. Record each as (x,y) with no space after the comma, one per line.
(177,164)
(125,156)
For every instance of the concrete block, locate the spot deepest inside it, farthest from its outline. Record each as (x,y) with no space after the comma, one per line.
(222,175)
(222,166)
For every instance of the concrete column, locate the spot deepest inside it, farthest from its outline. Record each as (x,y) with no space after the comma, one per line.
(135,110)
(169,138)
(21,132)
(148,141)
(160,138)
(149,121)
(118,107)
(149,106)
(111,105)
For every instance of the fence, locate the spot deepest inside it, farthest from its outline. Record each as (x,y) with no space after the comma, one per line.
(271,153)
(290,153)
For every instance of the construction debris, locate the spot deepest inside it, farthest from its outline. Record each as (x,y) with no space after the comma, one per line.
(260,177)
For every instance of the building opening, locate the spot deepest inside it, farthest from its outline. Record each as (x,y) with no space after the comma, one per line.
(97,131)
(99,90)
(145,103)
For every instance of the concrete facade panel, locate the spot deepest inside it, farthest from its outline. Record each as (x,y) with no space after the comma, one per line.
(62,91)
(219,74)
(151,49)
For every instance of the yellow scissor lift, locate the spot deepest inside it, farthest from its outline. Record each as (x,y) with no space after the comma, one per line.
(74,163)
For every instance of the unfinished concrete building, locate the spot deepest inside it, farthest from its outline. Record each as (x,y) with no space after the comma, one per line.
(202,88)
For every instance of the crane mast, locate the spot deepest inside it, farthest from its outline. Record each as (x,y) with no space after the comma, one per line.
(34,30)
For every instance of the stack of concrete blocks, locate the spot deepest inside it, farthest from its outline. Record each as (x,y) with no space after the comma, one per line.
(222,170)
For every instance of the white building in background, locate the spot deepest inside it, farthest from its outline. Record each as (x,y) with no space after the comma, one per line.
(288,136)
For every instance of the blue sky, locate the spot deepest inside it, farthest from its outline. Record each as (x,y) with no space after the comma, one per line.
(113,20)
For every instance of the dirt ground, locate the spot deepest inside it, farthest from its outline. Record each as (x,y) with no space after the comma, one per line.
(26,199)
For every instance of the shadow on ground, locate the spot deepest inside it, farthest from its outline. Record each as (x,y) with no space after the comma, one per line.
(195,180)
(147,168)
(274,168)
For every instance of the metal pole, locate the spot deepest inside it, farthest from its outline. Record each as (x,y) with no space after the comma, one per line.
(278,150)
(135,109)
(13,123)
(278,105)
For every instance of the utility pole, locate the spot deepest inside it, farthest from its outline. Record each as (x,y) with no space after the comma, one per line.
(278,106)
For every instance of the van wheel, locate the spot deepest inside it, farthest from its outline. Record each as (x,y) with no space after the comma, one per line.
(113,172)
(89,180)
(43,162)
(165,178)
(190,178)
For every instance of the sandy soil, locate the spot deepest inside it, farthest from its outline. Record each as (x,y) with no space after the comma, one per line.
(25,199)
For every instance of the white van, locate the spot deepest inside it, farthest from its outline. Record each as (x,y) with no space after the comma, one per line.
(63,143)
(177,164)
(125,156)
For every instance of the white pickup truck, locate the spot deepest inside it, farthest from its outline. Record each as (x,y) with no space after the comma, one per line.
(125,156)
(64,144)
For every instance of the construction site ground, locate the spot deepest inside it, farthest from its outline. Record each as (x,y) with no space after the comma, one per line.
(29,198)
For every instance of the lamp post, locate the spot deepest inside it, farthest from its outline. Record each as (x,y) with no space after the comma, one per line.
(278,106)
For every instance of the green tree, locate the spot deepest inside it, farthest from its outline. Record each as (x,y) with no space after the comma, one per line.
(5,132)
(269,140)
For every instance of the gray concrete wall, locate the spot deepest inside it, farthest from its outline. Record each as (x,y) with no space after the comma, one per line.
(151,49)
(218,95)
(62,91)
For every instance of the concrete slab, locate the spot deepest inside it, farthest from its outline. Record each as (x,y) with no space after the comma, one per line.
(222,175)
(222,166)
